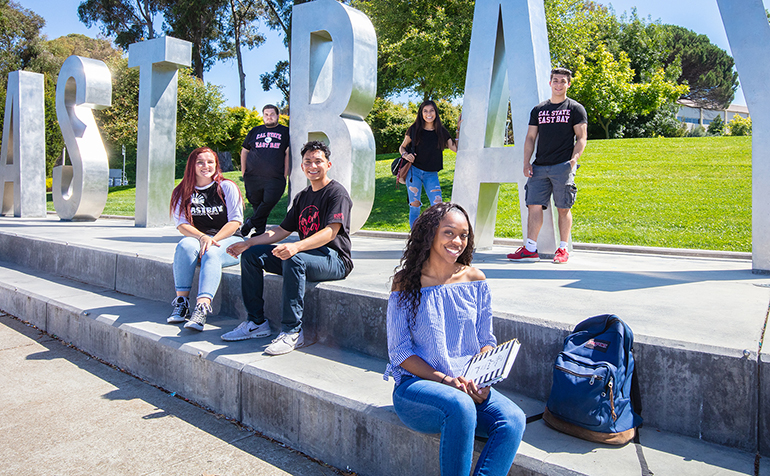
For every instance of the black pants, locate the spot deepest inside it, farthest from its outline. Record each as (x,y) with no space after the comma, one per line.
(263,194)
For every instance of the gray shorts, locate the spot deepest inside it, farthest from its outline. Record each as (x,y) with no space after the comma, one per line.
(558,179)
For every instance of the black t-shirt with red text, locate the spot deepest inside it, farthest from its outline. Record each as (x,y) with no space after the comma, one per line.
(312,211)
(556,133)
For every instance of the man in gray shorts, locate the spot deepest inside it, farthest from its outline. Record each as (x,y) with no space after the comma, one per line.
(560,128)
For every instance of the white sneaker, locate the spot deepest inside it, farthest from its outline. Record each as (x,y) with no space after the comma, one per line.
(285,343)
(248,330)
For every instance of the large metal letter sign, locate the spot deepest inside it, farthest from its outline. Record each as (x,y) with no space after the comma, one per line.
(158,61)
(22,160)
(334,80)
(80,189)
(508,58)
(749,35)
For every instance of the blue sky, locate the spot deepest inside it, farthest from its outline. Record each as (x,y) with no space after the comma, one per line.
(701,16)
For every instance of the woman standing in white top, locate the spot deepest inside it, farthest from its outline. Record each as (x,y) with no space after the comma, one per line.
(208,211)
(439,317)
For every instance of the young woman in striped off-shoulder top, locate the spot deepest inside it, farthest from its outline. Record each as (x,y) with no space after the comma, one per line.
(439,317)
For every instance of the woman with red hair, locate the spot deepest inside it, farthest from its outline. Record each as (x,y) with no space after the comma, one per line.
(208,210)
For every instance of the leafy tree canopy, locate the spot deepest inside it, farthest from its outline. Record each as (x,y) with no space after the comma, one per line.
(20,41)
(575,27)
(604,85)
(706,68)
(129,21)
(422,45)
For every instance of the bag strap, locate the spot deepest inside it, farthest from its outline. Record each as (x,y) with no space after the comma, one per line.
(640,455)
(636,405)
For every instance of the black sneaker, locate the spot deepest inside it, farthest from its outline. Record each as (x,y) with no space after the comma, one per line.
(181,310)
(247,227)
(198,318)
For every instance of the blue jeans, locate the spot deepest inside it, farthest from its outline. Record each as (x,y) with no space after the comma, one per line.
(431,407)
(320,264)
(212,262)
(416,180)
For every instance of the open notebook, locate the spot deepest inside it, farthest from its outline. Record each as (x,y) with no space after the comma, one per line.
(491,367)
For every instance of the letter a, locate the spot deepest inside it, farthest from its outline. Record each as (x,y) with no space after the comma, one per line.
(508,59)
(22,160)
(334,80)
(749,35)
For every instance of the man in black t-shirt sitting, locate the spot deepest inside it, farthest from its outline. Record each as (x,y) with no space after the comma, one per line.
(264,167)
(320,214)
(560,128)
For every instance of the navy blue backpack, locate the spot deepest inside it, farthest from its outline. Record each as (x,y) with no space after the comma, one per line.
(595,395)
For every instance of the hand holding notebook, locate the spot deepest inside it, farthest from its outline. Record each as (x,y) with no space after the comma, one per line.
(493,366)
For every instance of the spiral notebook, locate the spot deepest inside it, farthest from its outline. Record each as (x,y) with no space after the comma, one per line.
(493,366)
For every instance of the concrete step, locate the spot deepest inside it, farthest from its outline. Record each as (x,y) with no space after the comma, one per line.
(328,402)
(709,386)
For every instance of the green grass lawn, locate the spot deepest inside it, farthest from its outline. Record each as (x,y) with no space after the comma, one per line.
(681,193)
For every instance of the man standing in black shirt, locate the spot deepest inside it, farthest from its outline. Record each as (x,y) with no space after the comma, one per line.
(560,128)
(264,166)
(320,214)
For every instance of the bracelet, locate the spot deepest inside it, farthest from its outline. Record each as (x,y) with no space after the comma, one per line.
(201,237)
(444,378)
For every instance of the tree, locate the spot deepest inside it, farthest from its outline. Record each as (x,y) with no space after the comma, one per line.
(241,31)
(604,86)
(277,15)
(20,41)
(422,45)
(574,28)
(706,68)
(128,21)
(199,22)
(645,42)
(278,78)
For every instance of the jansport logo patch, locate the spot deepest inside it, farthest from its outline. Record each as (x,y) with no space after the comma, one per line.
(595,344)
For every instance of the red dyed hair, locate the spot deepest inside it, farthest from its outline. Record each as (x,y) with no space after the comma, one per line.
(182,193)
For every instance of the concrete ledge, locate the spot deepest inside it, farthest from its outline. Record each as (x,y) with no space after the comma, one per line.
(328,402)
(695,390)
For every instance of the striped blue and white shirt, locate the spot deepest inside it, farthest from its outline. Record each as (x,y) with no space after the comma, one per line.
(453,323)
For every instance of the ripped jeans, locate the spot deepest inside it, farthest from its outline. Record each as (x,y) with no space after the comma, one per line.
(416,180)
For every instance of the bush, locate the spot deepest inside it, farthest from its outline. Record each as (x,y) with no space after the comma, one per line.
(389,122)
(739,126)
(697,131)
(717,126)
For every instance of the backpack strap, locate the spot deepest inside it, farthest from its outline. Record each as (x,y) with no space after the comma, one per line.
(636,404)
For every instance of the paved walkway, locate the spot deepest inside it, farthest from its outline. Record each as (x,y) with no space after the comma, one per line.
(64,413)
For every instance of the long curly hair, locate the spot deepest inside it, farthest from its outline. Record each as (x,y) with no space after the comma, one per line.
(415,130)
(182,193)
(408,273)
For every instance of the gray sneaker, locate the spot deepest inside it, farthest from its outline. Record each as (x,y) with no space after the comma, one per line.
(198,318)
(247,330)
(181,310)
(285,343)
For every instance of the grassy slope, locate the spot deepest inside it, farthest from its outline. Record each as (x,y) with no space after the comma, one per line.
(683,193)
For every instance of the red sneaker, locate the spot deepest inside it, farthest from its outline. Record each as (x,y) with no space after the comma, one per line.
(561,256)
(523,256)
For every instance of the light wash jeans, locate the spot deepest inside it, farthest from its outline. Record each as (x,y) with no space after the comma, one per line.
(212,262)
(416,180)
(431,407)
